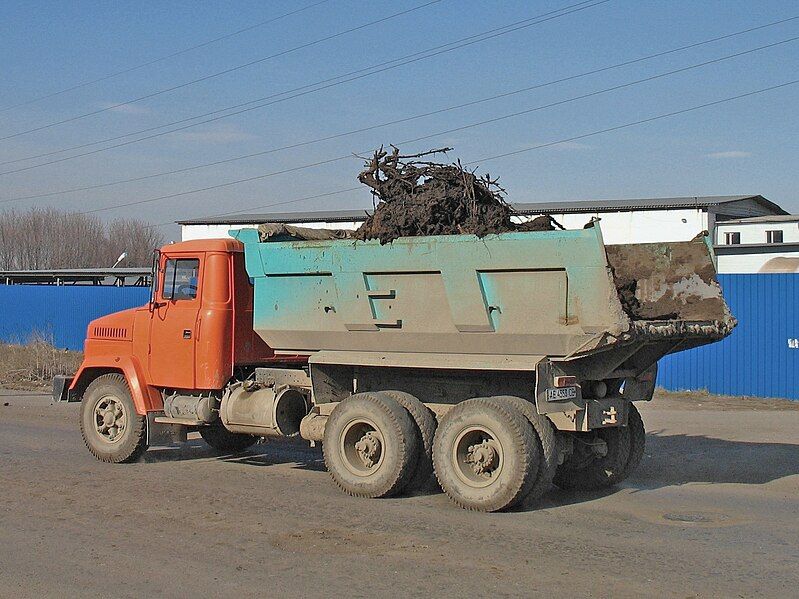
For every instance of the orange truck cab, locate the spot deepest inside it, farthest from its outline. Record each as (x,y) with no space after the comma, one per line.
(194,336)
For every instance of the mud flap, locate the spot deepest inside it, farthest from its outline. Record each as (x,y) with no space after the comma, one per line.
(641,388)
(61,391)
(159,434)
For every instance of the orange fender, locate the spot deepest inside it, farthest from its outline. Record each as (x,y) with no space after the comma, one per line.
(145,398)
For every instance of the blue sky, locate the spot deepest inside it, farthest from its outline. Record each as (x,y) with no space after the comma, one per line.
(746,146)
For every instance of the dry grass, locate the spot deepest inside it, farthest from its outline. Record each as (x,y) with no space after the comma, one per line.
(33,365)
(702,400)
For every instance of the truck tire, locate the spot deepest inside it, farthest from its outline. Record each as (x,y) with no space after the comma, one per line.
(225,442)
(547,445)
(637,434)
(422,478)
(485,455)
(371,446)
(111,429)
(583,472)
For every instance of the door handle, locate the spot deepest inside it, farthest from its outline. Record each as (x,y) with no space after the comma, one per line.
(187,333)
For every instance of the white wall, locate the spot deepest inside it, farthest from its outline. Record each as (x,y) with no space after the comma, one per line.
(641,226)
(617,227)
(758,263)
(189,232)
(756,232)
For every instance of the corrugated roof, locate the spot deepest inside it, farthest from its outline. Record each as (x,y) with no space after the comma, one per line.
(772,218)
(524,208)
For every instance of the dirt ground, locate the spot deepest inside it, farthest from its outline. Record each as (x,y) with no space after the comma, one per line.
(713,511)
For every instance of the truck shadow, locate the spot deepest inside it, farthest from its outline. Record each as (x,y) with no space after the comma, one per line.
(669,460)
(271,453)
(678,459)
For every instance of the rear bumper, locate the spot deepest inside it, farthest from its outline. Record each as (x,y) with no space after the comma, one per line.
(61,385)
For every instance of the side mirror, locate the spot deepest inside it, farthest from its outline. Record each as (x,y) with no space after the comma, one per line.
(154,275)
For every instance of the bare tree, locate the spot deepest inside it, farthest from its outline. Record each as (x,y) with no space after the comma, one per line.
(42,238)
(133,237)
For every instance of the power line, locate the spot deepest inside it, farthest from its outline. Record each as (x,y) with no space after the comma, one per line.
(339,158)
(317,86)
(163,58)
(544,145)
(219,185)
(225,71)
(284,202)
(635,123)
(602,91)
(436,134)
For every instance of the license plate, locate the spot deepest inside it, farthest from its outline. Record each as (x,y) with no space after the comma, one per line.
(561,393)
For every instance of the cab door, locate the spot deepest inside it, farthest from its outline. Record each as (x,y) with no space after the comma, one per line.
(173,329)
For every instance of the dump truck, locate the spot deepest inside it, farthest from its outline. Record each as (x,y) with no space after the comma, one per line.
(491,367)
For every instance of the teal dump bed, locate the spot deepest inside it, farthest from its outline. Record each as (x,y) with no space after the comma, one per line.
(514,294)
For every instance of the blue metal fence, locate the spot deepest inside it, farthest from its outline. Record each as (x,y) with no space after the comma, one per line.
(61,313)
(761,356)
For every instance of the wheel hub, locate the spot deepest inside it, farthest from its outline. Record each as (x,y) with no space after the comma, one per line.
(362,447)
(110,418)
(368,448)
(482,457)
(478,456)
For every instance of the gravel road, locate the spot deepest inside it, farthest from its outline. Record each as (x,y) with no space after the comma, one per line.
(713,511)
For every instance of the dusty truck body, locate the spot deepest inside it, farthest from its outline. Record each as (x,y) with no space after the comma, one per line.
(499,364)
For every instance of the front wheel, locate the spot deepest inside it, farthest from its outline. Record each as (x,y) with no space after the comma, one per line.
(111,428)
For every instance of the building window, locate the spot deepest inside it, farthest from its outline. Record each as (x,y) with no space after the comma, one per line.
(774,236)
(732,238)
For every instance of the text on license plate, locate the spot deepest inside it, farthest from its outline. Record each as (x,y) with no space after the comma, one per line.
(561,393)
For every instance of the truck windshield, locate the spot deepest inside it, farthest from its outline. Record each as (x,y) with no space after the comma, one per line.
(180,279)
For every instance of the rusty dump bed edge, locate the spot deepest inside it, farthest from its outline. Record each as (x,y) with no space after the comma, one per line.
(670,288)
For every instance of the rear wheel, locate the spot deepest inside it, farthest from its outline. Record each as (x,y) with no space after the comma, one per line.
(223,441)
(485,455)
(425,421)
(371,446)
(547,445)
(637,434)
(598,460)
(109,424)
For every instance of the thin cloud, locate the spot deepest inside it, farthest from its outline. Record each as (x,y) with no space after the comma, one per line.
(566,146)
(218,135)
(572,145)
(729,154)
(125,108)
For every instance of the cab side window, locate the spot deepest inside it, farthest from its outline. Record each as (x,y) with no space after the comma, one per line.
(180,279)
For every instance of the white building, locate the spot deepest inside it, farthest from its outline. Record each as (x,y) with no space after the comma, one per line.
(622,221)
(759,244)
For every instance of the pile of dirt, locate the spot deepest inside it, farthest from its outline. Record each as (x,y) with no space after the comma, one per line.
(417,198)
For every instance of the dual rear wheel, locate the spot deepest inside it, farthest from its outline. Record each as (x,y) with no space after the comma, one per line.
(604,457)
(374,444)
(488,453)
